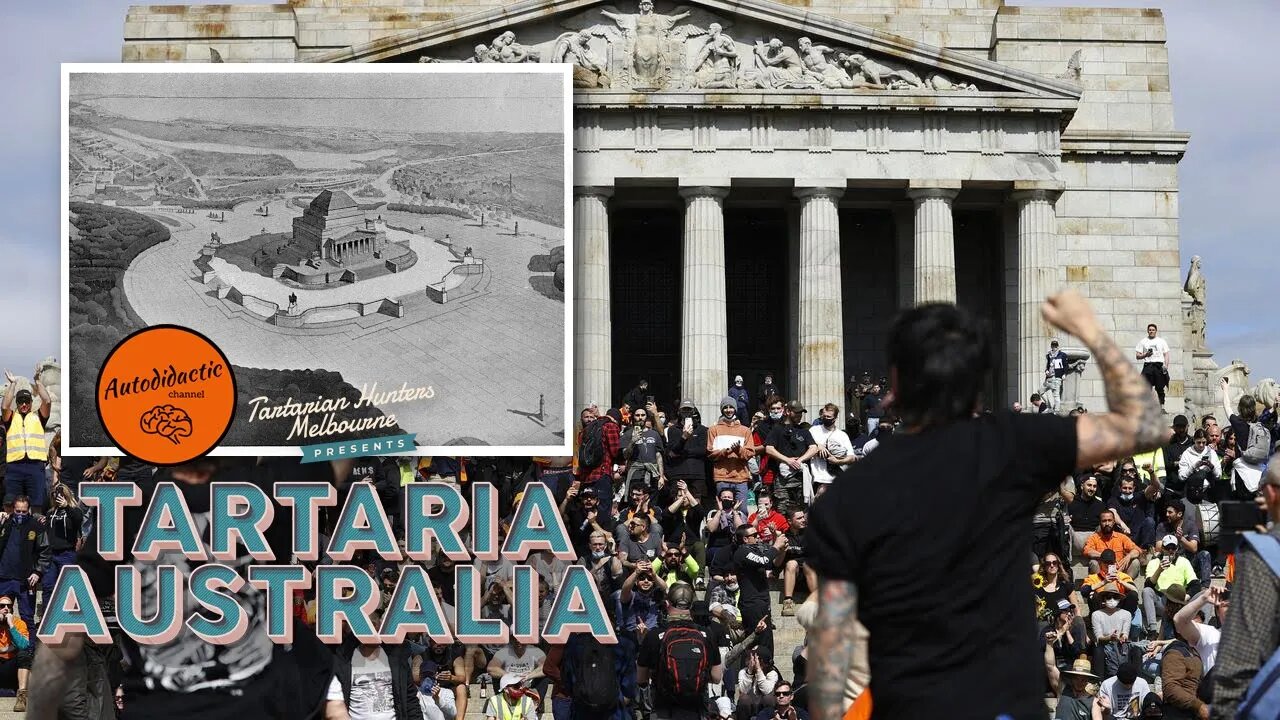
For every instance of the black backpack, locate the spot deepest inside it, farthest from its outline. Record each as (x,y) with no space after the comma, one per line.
(595,679)
(591,451)
(684,672)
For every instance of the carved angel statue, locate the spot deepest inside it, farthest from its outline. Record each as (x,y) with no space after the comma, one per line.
(780,66)
(575,48)
(1194,286)
(646,30)
(719,58)
(510,51)
(879,75)
(828,74)
(1073,67)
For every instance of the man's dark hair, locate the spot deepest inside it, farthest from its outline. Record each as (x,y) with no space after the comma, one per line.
(942,354)
(1035,397)
(741,532)
(1152,325)
(1177,506)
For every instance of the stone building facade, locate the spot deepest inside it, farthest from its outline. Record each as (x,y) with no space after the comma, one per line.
(334,228)
(759,186)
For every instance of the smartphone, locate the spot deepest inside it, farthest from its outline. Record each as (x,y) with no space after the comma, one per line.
(648,399)
(688,424)
(1111,569)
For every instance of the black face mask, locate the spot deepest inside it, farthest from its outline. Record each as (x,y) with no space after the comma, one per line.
(828,422)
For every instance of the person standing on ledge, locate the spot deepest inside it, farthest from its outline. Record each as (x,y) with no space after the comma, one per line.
(1153,351)
(963,480)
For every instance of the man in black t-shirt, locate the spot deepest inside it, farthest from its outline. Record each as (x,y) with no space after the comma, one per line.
(751,561)
(1085,511)
(790,446)
(651,666)
(186,677)
(965,481)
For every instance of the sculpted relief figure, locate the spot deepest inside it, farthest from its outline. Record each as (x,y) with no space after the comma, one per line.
(1194,286)
(575,48)
(647,33)
(829,74)
(878,75)
(780,66)
(717,61)
(509,51)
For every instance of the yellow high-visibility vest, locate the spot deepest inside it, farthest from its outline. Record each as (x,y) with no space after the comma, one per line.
(25,438)
(522,709)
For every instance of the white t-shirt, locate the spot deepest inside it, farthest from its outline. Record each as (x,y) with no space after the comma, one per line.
(519,666)
(1126,702)
(372,697)
(1210,636)
(1158,347)
(821,471)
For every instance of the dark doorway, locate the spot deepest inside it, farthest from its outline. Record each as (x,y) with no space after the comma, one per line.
(756,273)
(644,259)
(868,287)
(980,283)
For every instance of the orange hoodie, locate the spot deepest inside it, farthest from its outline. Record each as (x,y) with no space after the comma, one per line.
(727,465)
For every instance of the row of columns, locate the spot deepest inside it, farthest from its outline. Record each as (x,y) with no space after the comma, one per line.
(355,247)
(820,336)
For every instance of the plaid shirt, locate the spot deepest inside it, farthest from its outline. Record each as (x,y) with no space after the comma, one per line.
(609,435)
(1251,632)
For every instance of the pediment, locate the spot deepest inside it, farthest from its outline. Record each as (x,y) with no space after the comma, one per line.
(715,46)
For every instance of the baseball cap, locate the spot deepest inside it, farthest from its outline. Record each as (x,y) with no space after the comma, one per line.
(1180,421)
(588,492)
(23,396)
(1107,556)
(1053,342)
(1168,540)
(796,406)
(1127,673)
(688,403)
(510,679)
(1064,605)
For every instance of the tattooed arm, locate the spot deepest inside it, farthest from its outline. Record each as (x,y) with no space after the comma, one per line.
(831,640)
(1134,422)
(50,675)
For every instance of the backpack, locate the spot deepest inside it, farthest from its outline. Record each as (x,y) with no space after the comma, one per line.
(591,451)
(595,681)
(684,672)
(1262,699)
(1259,448)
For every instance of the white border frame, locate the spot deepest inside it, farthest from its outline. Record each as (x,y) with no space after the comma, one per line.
(563,70)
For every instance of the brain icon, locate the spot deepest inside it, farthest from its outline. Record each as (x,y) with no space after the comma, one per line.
(167,421)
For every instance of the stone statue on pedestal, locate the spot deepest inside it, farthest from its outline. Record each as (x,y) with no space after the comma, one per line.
(1200,390)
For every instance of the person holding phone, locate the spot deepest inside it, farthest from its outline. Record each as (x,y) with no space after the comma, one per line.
(686,453)
(1167,569)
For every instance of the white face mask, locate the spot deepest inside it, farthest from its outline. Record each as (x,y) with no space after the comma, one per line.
(775,415)
(1112,604)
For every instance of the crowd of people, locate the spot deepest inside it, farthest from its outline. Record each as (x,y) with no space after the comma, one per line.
(695,531)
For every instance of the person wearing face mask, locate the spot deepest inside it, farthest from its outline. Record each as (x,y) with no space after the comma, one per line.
(686,453)
(1134,509)
(791,446)
(738,391)
(729,446)
(767,467)
(24,556)
(1111,631)
(835,448)
(63,524)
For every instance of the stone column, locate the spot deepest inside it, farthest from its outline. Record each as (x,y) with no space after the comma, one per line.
(1037,278)
(820,369)
(935,241)
(593,328)
(704,343)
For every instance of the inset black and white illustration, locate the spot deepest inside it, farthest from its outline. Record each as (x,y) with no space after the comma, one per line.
(377,250)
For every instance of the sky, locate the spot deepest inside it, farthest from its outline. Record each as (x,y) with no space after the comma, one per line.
(1225,88)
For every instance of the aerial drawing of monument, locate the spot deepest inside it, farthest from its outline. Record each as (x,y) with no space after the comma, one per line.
(376,252)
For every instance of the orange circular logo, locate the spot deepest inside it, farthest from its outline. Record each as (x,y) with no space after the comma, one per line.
(166,395)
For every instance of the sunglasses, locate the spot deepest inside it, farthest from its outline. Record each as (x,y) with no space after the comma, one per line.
(6,605)
(1050,563)
(782,693)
